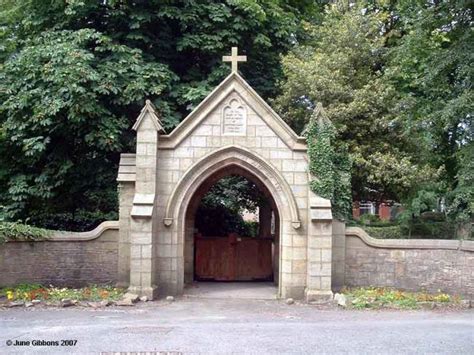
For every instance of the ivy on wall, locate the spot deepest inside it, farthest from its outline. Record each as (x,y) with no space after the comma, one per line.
(329,165)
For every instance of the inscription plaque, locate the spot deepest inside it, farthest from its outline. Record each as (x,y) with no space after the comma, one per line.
(234,120)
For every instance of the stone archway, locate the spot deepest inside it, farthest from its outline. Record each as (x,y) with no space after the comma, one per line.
(228,159)
(232,127)
(268,261)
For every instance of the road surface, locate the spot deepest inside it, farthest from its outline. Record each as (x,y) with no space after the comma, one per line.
(195,325)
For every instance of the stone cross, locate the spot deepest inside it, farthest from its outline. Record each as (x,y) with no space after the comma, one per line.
(234,58)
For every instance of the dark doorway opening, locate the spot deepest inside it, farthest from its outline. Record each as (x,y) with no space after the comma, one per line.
(235,229)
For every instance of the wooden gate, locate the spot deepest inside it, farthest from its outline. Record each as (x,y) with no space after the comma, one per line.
(233,258)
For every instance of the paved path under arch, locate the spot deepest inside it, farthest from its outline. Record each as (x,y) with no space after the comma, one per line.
(232,290)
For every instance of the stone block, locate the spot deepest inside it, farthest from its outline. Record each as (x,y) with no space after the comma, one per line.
(140,237)
(135,251)
(299,241)
(314,255)
(286,266)
(301,179)
(302,202)
(326,255)
(300,190)
(214,141)
(299,267)
(147,136)
(203,130)
(255,120)
(216,131)
(289,177)
(146,251)
(164,251)
(146,161)
(321,214)
(299,253)
(264,131)
(280,154)
(200,152)
(251,131)
(321,228)
(183,152)
(269,142)
(198,142)
(135,277)
(288,166)
(184,164)
(318,297)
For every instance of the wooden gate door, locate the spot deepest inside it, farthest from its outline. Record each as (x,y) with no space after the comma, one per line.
(233,258)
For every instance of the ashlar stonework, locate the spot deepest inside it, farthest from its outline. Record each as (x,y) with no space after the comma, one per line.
(232,131)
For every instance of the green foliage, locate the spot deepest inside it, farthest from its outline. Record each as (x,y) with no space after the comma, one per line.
(329,167)
(219,221)
(369,219)
(342,66)
(252,229)
(387,232)
(63,99)
(29,292)
(430,229)
(20,231)
(431,66)
(74,75)
(413,229)
(220,210)
(81,220)
(460,200)
(236,194)
(396,81)
(377,297)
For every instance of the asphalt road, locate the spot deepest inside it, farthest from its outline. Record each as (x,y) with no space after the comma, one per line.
(193,325)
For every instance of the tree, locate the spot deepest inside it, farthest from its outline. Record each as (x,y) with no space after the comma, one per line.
(431,66)
(75,74)
(342,66)
(64,99)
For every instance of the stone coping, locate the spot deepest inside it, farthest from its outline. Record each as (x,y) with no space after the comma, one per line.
(465,245)
(64,236)
(61,236)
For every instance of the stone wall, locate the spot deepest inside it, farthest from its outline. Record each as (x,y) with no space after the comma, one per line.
(338,254)
(66,259)
(431,265)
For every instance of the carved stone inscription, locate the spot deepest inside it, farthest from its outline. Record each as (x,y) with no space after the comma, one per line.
(234,120)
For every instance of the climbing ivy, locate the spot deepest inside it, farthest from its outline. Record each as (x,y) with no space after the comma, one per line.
(329,165)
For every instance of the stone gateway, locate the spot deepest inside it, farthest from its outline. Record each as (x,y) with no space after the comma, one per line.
(232,131)
(154,249)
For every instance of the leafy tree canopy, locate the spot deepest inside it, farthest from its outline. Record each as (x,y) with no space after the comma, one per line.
(342,66)
(74,75)
(431,66)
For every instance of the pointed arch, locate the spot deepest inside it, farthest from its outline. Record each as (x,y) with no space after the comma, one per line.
(226,157)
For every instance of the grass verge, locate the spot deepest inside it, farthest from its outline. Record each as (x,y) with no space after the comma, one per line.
(30,292)
(377,298)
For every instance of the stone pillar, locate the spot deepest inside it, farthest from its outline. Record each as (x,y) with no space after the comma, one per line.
(126,194)
(143,228)
(318,285)
(338,254)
